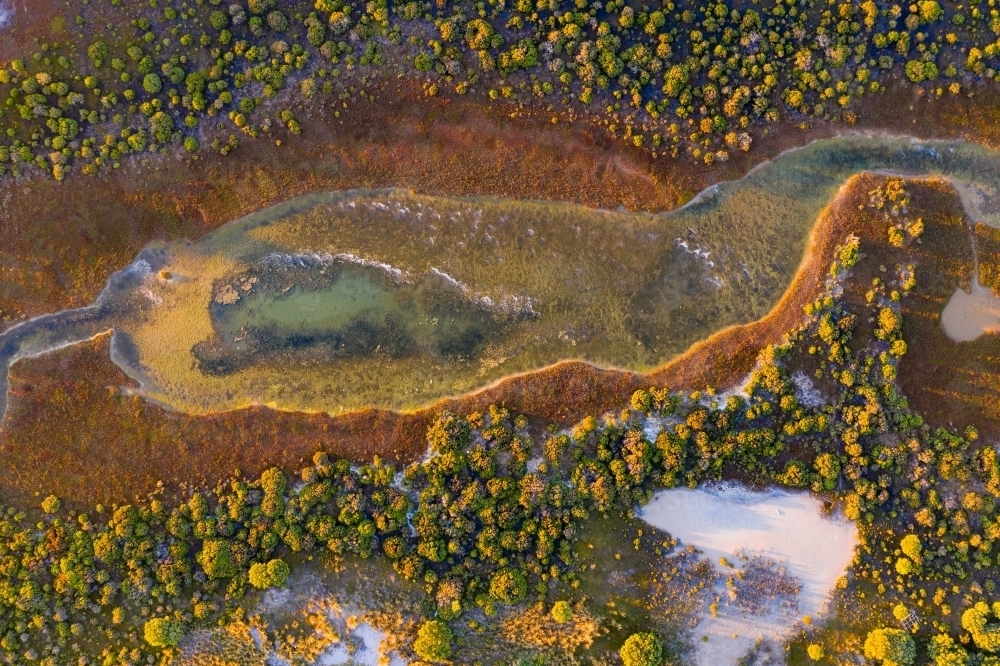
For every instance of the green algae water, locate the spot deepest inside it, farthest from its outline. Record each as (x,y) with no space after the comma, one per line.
(340,301)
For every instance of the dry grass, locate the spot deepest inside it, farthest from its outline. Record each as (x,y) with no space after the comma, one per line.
(534,626)
(232,645)
(63,239)
(103,446)
(71,431)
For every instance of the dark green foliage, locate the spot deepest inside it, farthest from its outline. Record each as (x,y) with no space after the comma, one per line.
(219,20)
(260,6)
(98,53)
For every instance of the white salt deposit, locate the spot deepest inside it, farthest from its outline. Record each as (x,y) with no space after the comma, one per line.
(787,528)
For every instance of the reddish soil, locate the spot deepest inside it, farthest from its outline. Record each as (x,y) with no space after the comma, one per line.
(69,433)
(31,19)
(104,446)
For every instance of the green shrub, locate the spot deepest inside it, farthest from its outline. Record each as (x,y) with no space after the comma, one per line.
(161,127)
(562,612)
(260,6)
(163,632)
(893,647)
(272,574)
(216,559)
(642,649)
(508,585)
(433,641)
(152,83)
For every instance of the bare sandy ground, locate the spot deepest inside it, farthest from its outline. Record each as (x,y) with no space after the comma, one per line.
(367,654)
(787,528)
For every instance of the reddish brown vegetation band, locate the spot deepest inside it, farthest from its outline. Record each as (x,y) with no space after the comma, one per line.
(71,431)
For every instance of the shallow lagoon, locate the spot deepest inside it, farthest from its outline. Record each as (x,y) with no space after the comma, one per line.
(338,301)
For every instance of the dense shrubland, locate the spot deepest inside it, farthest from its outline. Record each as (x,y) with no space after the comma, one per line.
(673,77)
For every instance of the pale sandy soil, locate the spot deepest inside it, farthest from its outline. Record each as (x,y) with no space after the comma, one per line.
(788,528)
(367,654)
(359,642)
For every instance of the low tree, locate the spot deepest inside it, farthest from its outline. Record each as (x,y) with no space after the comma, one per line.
(975,620)
(911,547)
(892,647)
(943,650)
(642,649)
(161,127)
(272,574)
(562,612)
(508,585)
(51,504)
(216,559)
(163,632)
(152,83)
(433,641)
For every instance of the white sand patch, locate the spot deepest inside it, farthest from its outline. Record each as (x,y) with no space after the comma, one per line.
(967,315)
(806,392)
(652,426)
(367,653)
(6,14)
(787,528)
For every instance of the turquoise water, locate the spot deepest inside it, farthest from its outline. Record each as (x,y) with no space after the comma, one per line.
(337,301)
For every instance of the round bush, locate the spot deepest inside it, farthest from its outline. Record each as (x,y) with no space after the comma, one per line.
(433,641)
(562,612)
(277,21)
(642,649)
(891,646)
(508,585)
(152,83)
(163,632)
(272,574)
